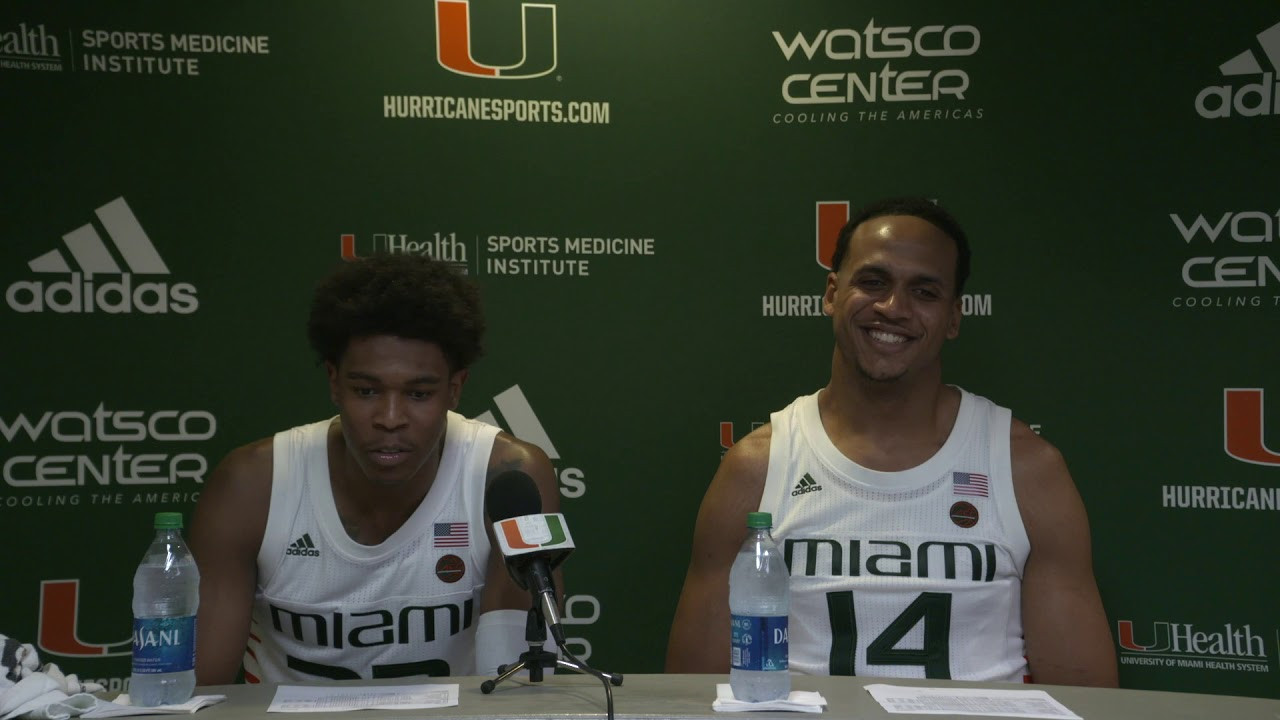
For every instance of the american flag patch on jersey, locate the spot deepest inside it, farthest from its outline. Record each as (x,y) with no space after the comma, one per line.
(450,535)
(969,484)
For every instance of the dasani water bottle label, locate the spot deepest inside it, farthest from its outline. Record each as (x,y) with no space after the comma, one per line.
(758,643)
(164,645)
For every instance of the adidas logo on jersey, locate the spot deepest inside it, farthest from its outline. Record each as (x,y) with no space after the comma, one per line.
(806,485)
(303,546)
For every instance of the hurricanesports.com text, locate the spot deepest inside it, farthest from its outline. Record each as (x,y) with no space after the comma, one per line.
(505,109)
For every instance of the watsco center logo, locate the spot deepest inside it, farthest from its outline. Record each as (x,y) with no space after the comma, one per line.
(534,55)
(99,449)
(873,65)
(1237,240)
(78,291)
(1229,646)
(1240,97)
(830,216)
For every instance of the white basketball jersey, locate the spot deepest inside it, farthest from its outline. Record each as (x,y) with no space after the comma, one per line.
(329,607)
(901,574)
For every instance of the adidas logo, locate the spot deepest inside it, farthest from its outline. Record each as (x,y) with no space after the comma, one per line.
(79,294)
(806,485)
(519,415)
(303,546)
(1258,98)
(522,423)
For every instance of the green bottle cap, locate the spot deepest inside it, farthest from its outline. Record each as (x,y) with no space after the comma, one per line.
(168,521)
(759,520)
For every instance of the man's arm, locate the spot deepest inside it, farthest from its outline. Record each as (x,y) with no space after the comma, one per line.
(226,532)
(699,640)
(510,453)
(1068,641)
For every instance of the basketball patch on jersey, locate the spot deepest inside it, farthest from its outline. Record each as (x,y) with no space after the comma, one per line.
(964,514)
(450,568)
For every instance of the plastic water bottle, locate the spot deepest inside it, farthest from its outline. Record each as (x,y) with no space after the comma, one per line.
(166,593)
(759,599)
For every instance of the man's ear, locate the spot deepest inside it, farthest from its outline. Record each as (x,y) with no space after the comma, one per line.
(332,371)
(456,382)
(829,295)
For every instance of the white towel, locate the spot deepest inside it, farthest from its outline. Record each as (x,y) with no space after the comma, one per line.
(39,693)
(39,697)
(17,660)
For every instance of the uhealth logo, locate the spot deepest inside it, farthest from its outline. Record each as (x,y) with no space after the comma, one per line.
(29,43)
(444,247)
(1225,647)
(537,42)
(1243,427)
(77,292)
(1257,98)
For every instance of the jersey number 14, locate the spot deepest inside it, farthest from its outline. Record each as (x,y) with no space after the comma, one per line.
(932,607)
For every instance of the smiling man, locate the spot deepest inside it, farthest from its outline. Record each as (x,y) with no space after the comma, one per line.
(357,546)
(927,532)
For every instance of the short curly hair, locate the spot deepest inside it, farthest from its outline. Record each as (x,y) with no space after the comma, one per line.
(920,207)
(408,296)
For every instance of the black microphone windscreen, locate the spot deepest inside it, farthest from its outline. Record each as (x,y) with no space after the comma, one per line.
(511,494)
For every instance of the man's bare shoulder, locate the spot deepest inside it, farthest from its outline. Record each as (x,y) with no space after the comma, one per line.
(1035,461)
(748,460)
(240,485)
(1047,497)
(231,516)
(511,453)
(250,463)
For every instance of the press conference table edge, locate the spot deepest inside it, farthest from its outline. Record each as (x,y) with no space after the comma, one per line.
(690,696)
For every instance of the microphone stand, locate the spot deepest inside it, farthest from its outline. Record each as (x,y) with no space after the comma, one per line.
(536,659)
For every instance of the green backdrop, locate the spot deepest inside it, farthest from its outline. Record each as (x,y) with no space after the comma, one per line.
(637,188)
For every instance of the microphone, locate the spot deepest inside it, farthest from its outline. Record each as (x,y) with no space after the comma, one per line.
(532,543)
